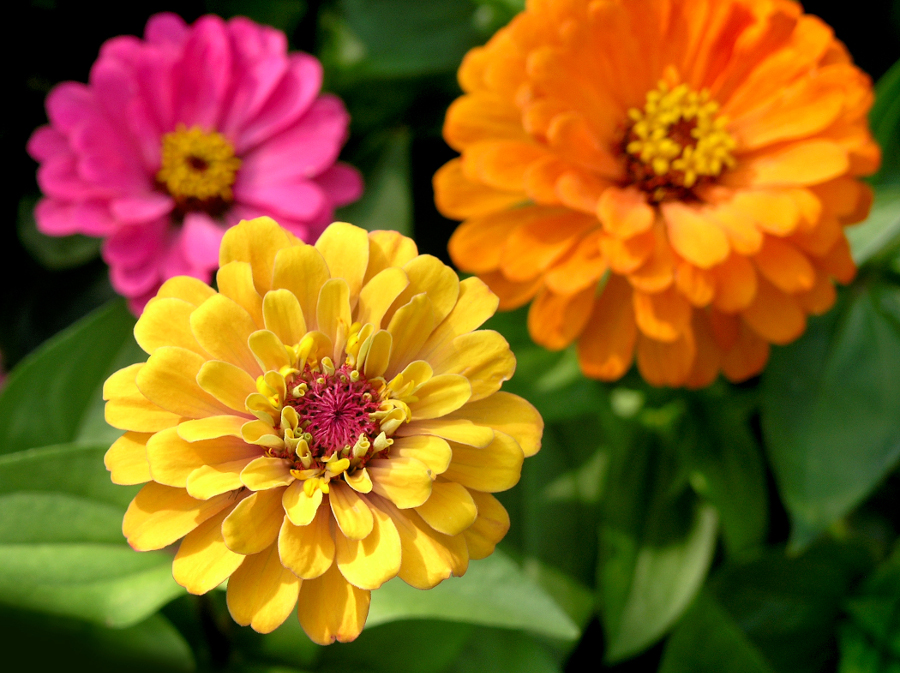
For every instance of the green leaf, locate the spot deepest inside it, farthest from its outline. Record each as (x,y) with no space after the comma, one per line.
(656,544)
(282,14)
(727,468)
(387,200)
(500,650)
(61,545)
(859,654)
(398,38)
(874,610)
(54,395)
(884,118)
(54,252)
(493,592)
(707,640)
(880,233)
(36,642)
(789,607)
(830,402)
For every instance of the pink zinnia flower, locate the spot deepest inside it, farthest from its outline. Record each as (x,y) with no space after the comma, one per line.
(179,136)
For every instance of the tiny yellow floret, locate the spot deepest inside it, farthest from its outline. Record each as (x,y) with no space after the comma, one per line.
(197,165)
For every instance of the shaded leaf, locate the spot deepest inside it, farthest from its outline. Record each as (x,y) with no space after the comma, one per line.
(500,650)
(830,402)
(880,232)
(884,118)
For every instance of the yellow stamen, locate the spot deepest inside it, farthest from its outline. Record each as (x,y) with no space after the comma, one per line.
(197,165)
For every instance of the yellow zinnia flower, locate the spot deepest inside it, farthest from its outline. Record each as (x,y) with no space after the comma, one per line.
(324,422)
(668,180)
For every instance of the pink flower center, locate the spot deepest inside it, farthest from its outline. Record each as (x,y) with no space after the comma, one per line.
(334,409)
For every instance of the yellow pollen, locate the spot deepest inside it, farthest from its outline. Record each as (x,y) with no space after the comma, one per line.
(197,165)
(679,137)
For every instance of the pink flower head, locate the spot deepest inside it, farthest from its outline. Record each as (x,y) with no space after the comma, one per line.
(179,136)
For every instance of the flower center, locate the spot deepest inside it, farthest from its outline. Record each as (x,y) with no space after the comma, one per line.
(198,169)
(335,409)
(676,142)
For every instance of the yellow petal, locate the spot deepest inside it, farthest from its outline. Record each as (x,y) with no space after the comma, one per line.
(268,350)
(346,251)
(359,481)
(267,473)
(440,395)
(377,295)
(211,480)
(127,459)
(510,414)
(203,561)
(429,275)
(302,271)
(492,469)
(489,528)
(173,458)
(428,557)
(459,430)
(450,509)
(254,524)
(483,357)
(229,384)
(223,328)
(262,592)
(351,512)
(301,508)
(370,562)
(256,242)
(159,515)
(433,451)
(235,281)
(189,289)
(128,409)
(283,316)
(211,427)
(333,314)
(307,550)
(169,380)
(476,304)
(166,322)
(386,249)
(409,329)
(378,355)
(262,434)
(330,608)
(404,481)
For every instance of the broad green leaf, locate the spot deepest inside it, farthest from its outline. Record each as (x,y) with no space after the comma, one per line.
(726,467)
(500,650)
(61,545)
(830,404)
(859,654)
(789,607)
(387,201)
(880,232)
(398,38)
(884,118)
(54,252)
(707,640)
(493,592)
(37,642)
(53,396)
(874,610)
(656,544)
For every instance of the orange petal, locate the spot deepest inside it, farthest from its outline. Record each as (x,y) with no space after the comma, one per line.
(627,255)
(477,244)
(254,524)
(625,212)
(533,247)
(820,297)
(774,315)
(803,163)
(262,592)
(512,295)
(838,261)
(707,362)
(457,197)
(500,164)
(773,211)
(330,608)
(606,346)
(735,280)
(663,316)
(580,268)
(307,550)
(747,357)
(489,528)
(694,235)
(698,285)
(554,321)
(203,561)
(372,561)
(666,364)
(482,116)
(784,266)
(126,459)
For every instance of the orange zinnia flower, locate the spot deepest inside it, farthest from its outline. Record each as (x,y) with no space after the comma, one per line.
(667,179)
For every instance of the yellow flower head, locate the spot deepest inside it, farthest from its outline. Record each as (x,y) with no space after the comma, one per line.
(324,422)
(667,180)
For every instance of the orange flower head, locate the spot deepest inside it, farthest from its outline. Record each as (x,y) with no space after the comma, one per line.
(327,420)
(667,180)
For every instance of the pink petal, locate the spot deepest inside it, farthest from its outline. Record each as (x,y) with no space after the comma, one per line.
(165,28)
(176,263)
(58,178)
(46,142)
(200,241)
(130,281)
(155,72)
(143,208)
(107,159)
(137,244)
(300,200)
(342,183)
(68,104)
(58,218)
(204,74)
(305,149)
(291,98)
